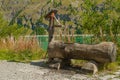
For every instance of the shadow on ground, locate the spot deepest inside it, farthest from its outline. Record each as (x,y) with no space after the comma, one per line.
(41,63)
(73,69)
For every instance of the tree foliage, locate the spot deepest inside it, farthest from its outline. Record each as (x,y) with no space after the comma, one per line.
(40,31)
(88,16)
(98,18)
(12,30)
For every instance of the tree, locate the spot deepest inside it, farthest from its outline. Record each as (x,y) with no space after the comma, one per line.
(40,31)
(15,30)
(98,18)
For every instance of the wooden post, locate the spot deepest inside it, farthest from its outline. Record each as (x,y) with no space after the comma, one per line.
(50,17)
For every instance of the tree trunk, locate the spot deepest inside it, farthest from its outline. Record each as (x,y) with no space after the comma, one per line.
(104,52)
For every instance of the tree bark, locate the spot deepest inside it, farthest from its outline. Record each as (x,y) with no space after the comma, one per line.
(104,52)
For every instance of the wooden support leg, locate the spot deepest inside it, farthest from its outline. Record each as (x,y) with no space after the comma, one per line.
(66,62)
(58,63)
(91,67)
(50,60)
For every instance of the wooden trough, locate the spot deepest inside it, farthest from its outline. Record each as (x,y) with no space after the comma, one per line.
(104,52)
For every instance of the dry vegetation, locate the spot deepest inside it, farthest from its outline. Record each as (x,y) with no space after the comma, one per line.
(21,49)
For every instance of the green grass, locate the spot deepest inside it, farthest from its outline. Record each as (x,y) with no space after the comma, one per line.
(22,56)
(78,62)
(118,56)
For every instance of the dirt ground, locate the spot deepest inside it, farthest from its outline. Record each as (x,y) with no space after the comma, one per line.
(38,70)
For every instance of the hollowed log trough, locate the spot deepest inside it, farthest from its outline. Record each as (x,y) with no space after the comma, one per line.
(102,53)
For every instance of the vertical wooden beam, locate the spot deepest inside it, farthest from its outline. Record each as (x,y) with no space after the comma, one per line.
(50,17)
(51,27)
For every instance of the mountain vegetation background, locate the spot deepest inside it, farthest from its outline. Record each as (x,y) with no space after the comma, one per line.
(88,17)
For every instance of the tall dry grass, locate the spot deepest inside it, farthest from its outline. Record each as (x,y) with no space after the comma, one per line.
(23,48)
(19,44)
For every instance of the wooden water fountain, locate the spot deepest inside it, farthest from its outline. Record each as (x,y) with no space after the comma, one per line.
(102,53)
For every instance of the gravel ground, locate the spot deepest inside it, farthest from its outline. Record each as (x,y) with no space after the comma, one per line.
(38,70)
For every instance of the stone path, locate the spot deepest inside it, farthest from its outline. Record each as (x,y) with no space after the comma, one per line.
(39,71)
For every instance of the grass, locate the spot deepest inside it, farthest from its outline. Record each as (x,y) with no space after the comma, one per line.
(78,62)
(22,56)
(21,49)
(118,56)
(111,66)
